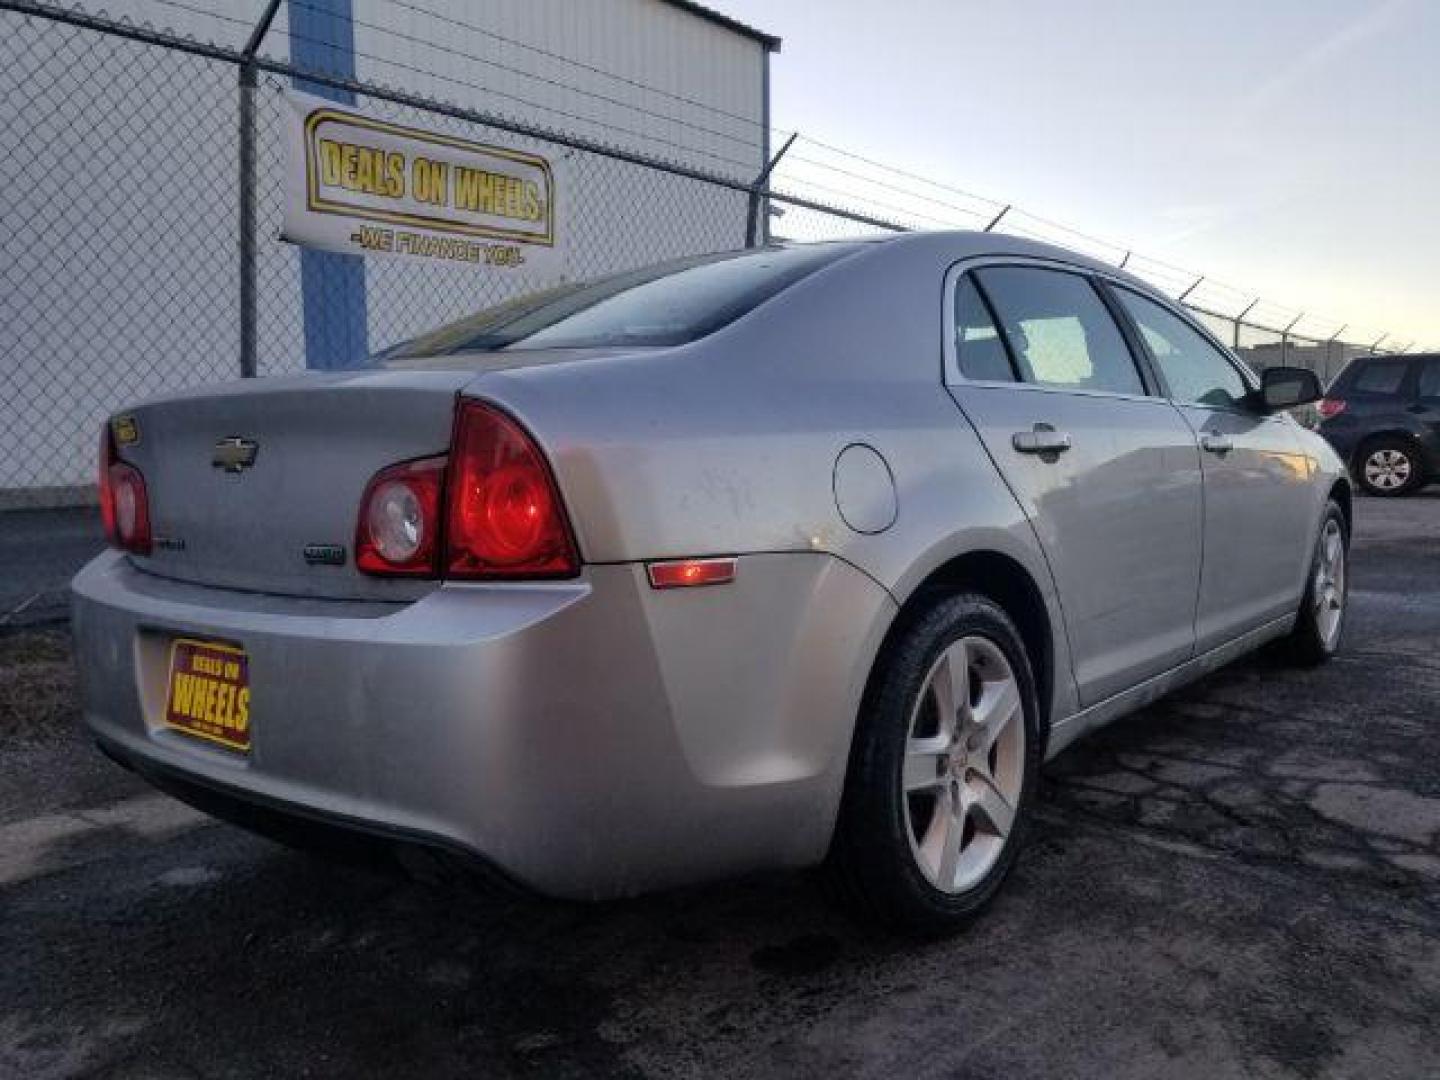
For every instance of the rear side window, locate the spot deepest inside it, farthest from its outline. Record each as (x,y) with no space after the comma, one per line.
(1060,331)
(1430,379)
(978,346)
(1380,377)
(1195,371)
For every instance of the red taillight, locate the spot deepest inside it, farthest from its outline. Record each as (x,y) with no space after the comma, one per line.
(504,518)
(399,530)
(107,502)
(490,510)
(132,508)
(1329,407)
(124,505)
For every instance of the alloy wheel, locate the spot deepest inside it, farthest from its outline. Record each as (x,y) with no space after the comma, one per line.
(1387,470)
(1328,590)
(964,764)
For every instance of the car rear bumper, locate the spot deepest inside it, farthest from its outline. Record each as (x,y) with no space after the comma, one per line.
(367,842)
(587,738)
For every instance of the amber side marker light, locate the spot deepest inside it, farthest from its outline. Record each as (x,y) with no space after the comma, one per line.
(685,573)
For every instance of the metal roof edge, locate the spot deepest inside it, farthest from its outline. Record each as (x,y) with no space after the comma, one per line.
(771,43)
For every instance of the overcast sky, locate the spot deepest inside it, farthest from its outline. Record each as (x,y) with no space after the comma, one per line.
(1287,146)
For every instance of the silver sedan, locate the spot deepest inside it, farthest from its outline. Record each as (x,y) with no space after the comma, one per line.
(776,558)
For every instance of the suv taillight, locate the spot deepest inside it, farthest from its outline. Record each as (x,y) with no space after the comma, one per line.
(489,510)
(124,505)
(1329,407)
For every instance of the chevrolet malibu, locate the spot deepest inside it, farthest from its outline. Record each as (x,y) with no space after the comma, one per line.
(787,557)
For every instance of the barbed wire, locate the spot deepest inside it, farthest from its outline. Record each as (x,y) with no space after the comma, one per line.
(1230,299)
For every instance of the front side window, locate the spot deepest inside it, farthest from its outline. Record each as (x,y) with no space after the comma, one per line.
(1196,372)
(978,346)
(1381,377)
(1060,331)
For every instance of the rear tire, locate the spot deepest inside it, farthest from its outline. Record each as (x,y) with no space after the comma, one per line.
(934,809)
(1320,625)
(1389,466)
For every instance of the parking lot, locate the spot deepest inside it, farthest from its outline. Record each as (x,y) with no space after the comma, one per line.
(1244,880)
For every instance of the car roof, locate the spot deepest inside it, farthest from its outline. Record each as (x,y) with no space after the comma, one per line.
(967,243)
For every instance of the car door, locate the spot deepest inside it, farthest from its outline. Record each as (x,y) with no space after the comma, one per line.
(1260,513)
(1426,408)
(1106,469)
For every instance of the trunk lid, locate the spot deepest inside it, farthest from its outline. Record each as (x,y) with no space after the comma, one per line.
(317,441)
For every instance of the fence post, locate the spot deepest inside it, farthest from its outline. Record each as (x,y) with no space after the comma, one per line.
(1240,319)
(1330,352)
(1285,338)
(996,219)
(752,216)
(249,86)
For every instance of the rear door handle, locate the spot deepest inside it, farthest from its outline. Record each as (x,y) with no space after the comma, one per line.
(1216,444)
(1043,440)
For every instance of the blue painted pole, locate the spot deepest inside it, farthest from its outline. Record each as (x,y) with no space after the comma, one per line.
(322,39)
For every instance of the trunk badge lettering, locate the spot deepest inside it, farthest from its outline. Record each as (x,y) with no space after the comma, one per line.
(234,454)
(325,554)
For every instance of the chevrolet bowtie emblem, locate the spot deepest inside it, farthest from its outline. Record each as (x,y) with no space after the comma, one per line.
(234,454)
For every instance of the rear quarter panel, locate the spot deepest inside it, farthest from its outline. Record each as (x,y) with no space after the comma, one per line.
(729,445)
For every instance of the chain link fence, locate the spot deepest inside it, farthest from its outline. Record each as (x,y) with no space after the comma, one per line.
(102,296)
(122,265)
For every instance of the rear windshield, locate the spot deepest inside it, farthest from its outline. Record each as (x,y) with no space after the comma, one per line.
(666,304)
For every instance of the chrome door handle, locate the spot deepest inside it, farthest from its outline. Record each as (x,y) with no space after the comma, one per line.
(1043,440)
(1216,444)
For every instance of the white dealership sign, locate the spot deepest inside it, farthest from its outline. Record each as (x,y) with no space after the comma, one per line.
(365,186)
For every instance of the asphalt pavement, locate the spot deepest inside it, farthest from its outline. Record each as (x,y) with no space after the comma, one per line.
(40,551)
(1241,881)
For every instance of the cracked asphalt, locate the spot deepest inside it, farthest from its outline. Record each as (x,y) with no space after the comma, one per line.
(1241,881)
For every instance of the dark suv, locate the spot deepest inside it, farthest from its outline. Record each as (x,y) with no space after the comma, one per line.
(1382,415)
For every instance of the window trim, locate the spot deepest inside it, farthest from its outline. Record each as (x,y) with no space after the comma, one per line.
(994,317)
(1247,377)
(950,361)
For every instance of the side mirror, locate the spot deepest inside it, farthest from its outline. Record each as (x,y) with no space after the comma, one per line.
(1284,388)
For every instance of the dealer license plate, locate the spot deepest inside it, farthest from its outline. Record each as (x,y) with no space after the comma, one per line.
(209,694)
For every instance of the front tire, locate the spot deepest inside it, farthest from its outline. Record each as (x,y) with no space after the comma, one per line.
(1389,467)
(1320,624)
(943,770)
